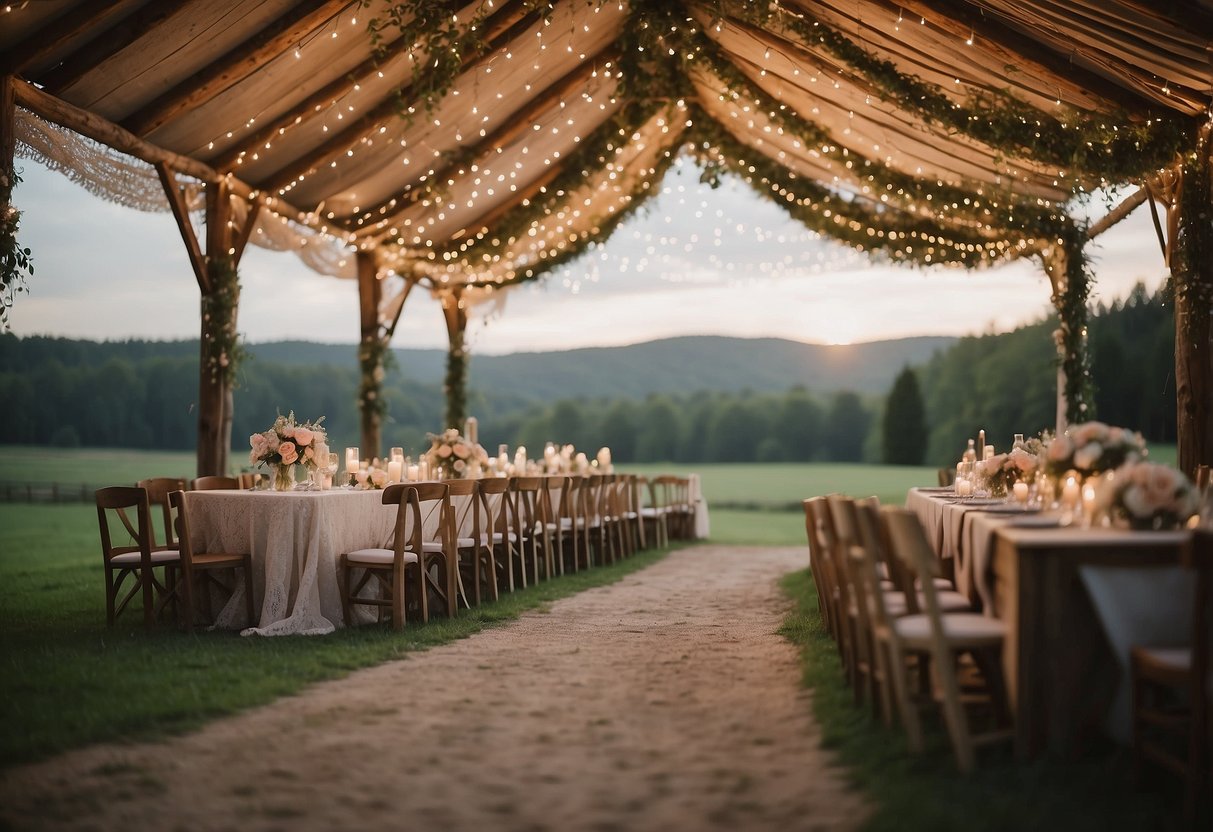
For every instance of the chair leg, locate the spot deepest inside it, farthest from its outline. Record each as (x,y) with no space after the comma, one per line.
(343,570)
(398,599)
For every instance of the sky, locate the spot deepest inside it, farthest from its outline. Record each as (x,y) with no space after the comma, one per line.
(695,261)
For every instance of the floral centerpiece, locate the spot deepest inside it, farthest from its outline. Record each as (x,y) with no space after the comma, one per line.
(1146,495)
(453,455)
(1002,471)
(286,444)
(1092,448)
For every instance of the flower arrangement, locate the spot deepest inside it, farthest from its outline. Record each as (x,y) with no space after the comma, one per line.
(453,455)
(1002,471)
(286,444)
(1092,448)
(1146,495)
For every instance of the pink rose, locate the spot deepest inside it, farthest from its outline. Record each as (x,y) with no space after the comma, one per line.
(461,451)
(303,437)
(288,431)
(258,444)
(1060,449)
(444,451)
(288,453)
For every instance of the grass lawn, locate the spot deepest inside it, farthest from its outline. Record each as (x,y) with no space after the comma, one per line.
(66,680)
(911,793)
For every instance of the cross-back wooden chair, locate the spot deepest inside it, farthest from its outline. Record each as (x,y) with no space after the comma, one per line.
(815,563)
(595,540)
(569,508)
(652,514)
(215,483)
(200,571)
(477,565)
(397,571)
(439,554)
(533,530)
(672,494)
(498,534)
(1171,692)
(135,556)
(627,507)
(943,638)
(158,489)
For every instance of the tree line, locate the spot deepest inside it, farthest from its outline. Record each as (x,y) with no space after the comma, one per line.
(141,394)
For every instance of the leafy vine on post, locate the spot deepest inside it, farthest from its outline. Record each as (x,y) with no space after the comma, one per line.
(16,262)
(454,311)
(221,353)
(1066,265)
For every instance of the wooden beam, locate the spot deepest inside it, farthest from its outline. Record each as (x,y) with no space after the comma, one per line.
(59,32)
(111,135)
(103,43)
(356,129)
(8,135)
(240,62)
(176,202)
(1192,277)
(512,126)
(240,243)
(370,293)
(318,102)
(1128,206)
(1010,48)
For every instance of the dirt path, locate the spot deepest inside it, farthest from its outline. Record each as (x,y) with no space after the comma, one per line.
(664,702)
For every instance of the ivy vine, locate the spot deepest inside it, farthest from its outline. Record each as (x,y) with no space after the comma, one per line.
(1072,314)
(1191,274)
(16,261)
(222,351)
(373,360)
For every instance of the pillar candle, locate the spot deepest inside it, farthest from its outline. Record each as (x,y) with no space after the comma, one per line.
(393,470)
(351,460)
(1021,492)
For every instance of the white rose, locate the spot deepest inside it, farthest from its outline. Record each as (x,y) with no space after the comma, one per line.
(1086,456)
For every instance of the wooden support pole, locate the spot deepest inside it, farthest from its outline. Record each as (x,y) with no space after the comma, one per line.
(1192,276)
(371,349)
(8,136)
(214,387)
(454,311)
(181,213)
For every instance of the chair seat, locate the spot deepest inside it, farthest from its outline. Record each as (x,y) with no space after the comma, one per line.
(949,602)
(630,515)
(653,512)
(467,542)
(377,557)
(217,559)
(1168,659)
(960,629)
(158,557)
(431,546)
(894,603)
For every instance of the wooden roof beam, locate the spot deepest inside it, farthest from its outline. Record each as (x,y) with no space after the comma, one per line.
(111,135)
(357,129)
(105,42)
(57,33)
(315,103)
(239,62)
(512,126)
(1011,48)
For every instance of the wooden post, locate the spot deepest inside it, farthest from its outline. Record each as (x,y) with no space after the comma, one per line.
(371,349)
(1063,263)
(8,135)
(1192,276)
(214,388)
(454,310)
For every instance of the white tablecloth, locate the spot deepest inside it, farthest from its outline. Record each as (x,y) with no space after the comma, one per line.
(295,539)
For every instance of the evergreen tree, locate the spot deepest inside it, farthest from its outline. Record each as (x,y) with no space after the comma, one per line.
(905,422)
(846,428)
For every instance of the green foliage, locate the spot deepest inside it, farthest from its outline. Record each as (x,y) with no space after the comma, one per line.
(925,792)
(846,428)
(16,261)
(222,353)
(68,680)
(904,426)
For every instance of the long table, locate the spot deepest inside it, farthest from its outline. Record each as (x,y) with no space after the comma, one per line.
(1074,600)
(295,538)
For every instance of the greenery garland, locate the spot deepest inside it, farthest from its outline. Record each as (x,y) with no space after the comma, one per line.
(1192,284)
(434,30)
(16,262)
(222,351)
(1112,148)
(373,360)
(454,385)
(1072,314)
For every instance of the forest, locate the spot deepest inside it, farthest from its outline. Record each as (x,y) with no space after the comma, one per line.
(140,394)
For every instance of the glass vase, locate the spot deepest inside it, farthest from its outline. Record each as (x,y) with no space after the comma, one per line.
(284,478)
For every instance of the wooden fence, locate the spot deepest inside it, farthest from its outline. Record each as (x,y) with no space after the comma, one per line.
(46,492)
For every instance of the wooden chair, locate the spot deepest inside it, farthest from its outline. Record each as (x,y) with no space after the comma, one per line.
(1171,707)
(138,558)
(942,639)
(673,495)
(476,564)
(816,556)
(627,505)
(394,569)
(556,515)
(439,552)
(570,513)
(158,489)
(499,534)
(599,544)
(652,514)
(201,570)
(837,598)
(532,529)
(215,483)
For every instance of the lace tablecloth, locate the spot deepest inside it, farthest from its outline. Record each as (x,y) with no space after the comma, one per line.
(295,539)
